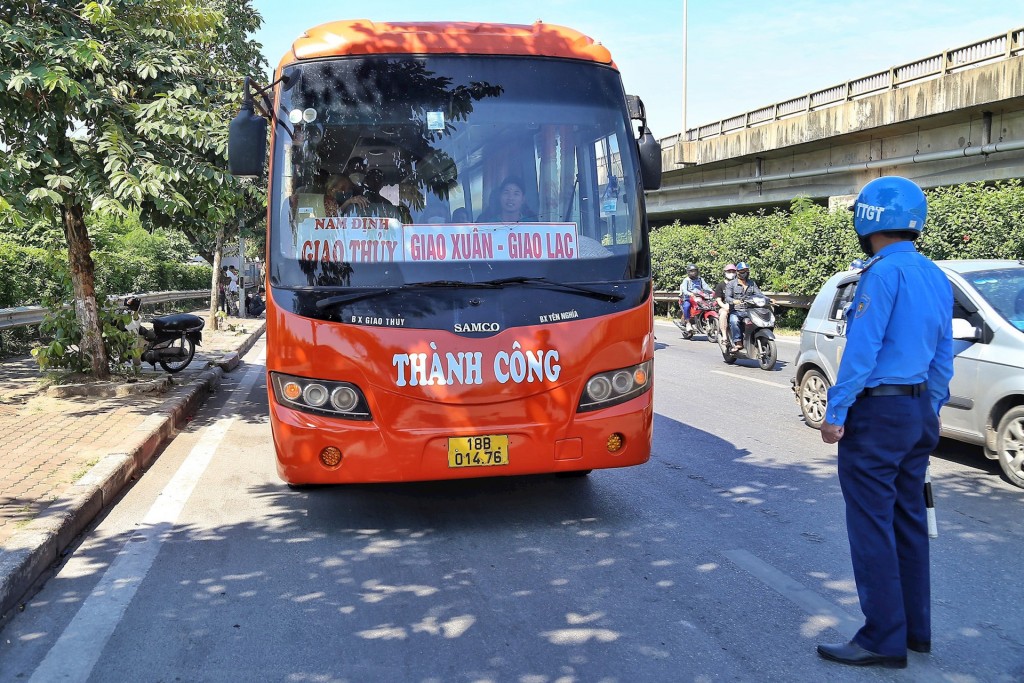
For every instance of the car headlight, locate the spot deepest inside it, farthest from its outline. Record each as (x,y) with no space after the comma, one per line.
(615,386)
(320,396)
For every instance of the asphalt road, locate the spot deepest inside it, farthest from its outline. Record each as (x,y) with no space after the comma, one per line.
(722,559)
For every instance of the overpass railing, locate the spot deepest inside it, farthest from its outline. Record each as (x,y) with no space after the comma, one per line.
(993,49)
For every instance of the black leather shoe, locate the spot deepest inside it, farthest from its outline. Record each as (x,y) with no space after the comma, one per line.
(853,654)
(924,646)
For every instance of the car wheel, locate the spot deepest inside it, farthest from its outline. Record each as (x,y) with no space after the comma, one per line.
(1010,445)
(813,395)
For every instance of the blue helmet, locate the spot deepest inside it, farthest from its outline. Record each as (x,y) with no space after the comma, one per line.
(889,203)
(742,265)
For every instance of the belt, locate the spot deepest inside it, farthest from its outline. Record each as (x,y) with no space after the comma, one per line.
(895,390)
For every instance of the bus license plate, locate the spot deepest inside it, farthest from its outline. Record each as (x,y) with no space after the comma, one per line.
(478,451)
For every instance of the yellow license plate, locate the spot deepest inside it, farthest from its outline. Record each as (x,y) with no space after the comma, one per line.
(478,451)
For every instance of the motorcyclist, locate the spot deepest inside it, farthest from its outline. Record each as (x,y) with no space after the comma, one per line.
(729,273)
(693,285)
(735,291)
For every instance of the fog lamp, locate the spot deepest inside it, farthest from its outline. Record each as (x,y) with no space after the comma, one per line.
(615,442)
(330,456)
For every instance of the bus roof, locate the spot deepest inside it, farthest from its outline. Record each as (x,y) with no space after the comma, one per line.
(365,37)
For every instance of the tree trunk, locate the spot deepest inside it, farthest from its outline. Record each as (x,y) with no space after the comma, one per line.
(84,283)
(212,320)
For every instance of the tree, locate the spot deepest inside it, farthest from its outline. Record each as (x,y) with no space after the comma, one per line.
(117,105)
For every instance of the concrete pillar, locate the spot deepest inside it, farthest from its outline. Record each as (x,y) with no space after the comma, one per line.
(841,202)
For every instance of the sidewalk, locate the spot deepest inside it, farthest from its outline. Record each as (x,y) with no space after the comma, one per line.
(63,458)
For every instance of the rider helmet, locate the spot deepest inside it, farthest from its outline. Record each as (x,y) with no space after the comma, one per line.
(890,203)
(729,267)
(742,265)
(691,268)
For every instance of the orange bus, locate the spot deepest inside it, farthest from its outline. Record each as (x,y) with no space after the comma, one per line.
(458,269)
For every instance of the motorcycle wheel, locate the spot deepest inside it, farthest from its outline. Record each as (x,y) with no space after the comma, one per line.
(711,329)
(767,353)
(728,356)
(173,365)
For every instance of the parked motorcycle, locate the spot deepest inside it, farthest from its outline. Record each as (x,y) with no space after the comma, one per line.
(172,340)
(703,318)
(757,340)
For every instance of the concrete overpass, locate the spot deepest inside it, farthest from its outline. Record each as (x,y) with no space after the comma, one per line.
(949,118)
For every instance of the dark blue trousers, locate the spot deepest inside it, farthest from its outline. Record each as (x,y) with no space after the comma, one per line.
(882,460)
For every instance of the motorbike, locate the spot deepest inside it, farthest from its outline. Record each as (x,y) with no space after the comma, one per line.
(757,340)
(172,340)
(703,318)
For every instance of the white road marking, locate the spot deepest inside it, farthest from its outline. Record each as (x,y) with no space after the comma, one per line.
(751,379)
(825,611)
(74,655)
(796,592)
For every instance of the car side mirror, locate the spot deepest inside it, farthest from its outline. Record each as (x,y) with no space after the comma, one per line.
(965,331)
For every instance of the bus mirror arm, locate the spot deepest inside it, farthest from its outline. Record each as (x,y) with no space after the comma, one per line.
(647,146)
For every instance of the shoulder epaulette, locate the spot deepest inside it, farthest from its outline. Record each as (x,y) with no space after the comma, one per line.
(873,261)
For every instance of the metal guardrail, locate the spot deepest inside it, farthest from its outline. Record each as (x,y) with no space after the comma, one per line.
(1003,46)
(780,299)
(23,316)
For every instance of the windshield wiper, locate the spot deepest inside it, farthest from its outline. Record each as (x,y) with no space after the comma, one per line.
(554,284)
(352,298)
(459,284)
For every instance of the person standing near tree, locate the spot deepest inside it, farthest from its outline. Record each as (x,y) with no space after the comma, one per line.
(884,413)
(231,293)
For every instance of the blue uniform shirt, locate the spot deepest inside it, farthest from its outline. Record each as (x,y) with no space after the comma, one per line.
(898,330)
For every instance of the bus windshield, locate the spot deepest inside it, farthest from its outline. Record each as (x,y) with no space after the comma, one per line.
(398,170)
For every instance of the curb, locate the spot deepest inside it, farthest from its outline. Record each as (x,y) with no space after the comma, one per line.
(30,552)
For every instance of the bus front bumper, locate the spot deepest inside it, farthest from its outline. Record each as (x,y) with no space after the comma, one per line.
(618,436)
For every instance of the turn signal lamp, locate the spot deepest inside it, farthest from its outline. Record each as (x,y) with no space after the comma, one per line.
(616,386)
(291,391)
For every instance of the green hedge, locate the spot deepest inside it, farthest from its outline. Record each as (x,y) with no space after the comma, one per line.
(28,275)
(795,251)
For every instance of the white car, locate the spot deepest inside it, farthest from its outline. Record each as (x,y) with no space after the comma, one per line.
(986,405)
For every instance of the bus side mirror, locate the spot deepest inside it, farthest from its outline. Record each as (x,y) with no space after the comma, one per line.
(650,160)
(247,140)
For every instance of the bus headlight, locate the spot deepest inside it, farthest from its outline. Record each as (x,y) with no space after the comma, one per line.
(320,396)
(616,386)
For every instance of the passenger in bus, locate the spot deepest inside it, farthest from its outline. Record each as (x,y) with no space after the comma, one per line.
(355,169)
(508,204)
(460,215)
(341,198)
(380,205)
(436,211)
